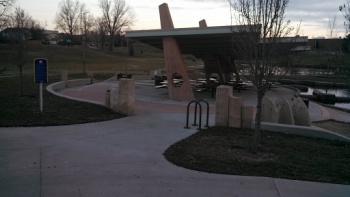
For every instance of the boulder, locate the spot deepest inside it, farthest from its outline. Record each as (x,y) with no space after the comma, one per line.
(269,111)
(300,112)
(285,111)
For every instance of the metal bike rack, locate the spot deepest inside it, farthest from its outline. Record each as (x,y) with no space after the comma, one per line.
(197,103)
(207,121)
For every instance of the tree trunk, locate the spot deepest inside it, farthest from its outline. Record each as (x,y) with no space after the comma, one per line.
(84,58)
(20,81)
(256,141)
(111,43)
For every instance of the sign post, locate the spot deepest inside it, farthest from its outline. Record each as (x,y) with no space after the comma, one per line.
(40,76)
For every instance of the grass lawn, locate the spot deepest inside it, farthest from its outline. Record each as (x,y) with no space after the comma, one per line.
(63,58)
(25,111)
(227,151)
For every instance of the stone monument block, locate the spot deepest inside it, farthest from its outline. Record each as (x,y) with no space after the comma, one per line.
(223,94)
(285,111)
(114,98)
(247,117)
(108,99)
(126,97)
(235,112)
(269,111)
(300,112)
(64,76)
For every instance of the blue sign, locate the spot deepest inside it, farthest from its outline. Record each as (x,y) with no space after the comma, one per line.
(40,74)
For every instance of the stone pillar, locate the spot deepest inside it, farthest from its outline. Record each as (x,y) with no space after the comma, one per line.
(126,97)
(166,22)
(174,62)
(269,111)
(235,112)
(223,94)
(247,117)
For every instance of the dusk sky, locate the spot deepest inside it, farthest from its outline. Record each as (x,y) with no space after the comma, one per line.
(313,14)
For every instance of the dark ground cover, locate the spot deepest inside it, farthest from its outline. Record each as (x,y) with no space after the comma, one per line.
(24,110)
(227,151)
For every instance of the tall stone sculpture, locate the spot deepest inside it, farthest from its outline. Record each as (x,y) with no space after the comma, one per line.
(174,63)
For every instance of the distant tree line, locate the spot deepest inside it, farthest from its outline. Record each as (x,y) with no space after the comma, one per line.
(74,17)
(75,20)
(345,58)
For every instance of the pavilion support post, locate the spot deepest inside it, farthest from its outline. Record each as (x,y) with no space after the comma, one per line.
(174,63)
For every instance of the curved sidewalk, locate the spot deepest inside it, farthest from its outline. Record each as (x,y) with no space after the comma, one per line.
(150,99)
(123,157)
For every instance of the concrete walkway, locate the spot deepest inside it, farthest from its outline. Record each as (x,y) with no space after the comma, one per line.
(123,157)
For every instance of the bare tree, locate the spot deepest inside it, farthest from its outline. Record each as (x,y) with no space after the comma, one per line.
(100,30)
(67,18)
(116,16)
(86,23)
(345,66)
(335,55)
(21,21)
(331,27)
(262,27)
(36,30)
(345,9)
(5,6)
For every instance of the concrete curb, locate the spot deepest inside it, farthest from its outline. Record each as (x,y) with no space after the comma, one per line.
(297,91)
(54,87)
(314,132)
(334,107)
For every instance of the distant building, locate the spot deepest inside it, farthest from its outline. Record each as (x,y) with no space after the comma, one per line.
(51,36)
(321,44)
(15,34)
(290,44)
(48,32)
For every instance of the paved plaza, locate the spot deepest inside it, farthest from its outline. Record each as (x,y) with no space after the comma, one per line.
(124,157)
